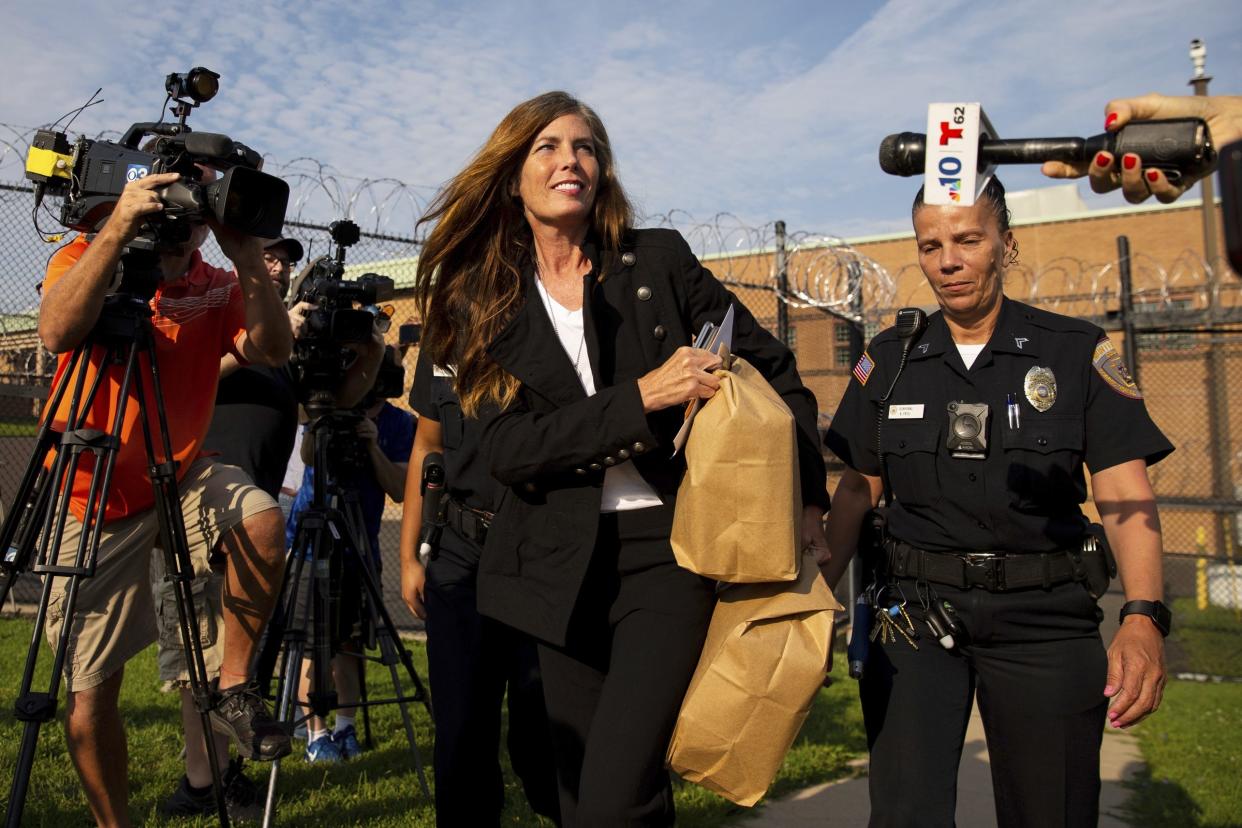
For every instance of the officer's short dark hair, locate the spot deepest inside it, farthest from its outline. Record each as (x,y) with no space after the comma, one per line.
(994,193)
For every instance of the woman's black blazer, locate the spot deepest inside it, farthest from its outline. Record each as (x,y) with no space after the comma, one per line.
(550,448)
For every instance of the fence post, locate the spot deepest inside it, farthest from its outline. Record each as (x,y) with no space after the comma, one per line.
(1130,346)
(782,285)
(858,328)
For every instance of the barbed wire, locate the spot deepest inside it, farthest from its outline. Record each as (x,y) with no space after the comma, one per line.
(822,270)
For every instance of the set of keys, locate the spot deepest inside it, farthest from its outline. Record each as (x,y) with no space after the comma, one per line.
(892,622)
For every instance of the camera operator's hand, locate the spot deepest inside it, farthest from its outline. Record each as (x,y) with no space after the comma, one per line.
(241,249)
(1224,119)
(684,376)
(268,339)
(297,317)
(71,304)
(137,201)
(367,431)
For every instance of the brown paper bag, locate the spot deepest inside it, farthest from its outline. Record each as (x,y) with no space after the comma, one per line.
(764,660)
(739,506)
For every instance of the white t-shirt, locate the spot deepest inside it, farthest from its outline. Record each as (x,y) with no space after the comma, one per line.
(970,353)
(624,487)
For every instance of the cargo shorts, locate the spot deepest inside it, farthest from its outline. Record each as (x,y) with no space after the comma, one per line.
(126,605)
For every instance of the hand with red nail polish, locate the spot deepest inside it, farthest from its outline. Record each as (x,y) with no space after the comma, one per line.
(1223,114)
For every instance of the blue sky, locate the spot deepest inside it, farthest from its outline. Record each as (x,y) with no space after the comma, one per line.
(769,110)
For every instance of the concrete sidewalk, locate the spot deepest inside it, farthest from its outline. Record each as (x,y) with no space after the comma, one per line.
(845,802)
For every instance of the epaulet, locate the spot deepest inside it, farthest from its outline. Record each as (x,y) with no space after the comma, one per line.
(1060,323)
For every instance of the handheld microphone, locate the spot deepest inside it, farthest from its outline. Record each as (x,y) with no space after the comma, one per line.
(433,493)
(1179,147)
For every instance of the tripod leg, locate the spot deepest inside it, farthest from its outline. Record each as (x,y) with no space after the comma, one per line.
(362,693)
(309,536)
(393,651)
(47,521)
(180,570)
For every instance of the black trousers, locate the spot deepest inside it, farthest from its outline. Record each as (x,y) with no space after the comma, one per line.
(471,660)
(1036,660)
(615,689)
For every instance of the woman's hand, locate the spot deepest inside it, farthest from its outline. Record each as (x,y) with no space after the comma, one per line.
(813,538)
(685,376)
(1224,119)
(413,585)
(1136,675)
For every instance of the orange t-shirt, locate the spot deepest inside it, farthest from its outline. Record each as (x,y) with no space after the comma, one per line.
(197,319)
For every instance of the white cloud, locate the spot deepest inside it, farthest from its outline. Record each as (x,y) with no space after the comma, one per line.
(772,112)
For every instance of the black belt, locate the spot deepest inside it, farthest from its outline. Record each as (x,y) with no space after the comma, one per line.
(469,523)
(995,572)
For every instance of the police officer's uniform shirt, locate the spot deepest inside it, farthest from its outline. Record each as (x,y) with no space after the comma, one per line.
(432,396)
(1025,495)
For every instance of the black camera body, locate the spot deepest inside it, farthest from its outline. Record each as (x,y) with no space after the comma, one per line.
(319,356)
(91,174)
(968,430)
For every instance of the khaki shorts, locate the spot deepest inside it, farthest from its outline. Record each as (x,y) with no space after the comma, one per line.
(119,610)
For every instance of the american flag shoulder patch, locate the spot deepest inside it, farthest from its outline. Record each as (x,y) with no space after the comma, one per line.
(862,370)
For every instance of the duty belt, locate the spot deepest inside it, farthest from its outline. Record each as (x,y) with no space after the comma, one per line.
(993,571)
(469,523)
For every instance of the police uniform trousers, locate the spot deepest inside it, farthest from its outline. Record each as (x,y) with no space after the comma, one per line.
(471,660)
(615,688)
(1036,661)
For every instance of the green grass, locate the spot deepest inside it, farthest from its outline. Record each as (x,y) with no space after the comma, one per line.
(18,427)
(1193,750)
(1205,640)
(378,789)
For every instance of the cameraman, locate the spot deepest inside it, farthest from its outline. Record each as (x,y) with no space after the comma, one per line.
(200,313)
(385,434)
(253,428)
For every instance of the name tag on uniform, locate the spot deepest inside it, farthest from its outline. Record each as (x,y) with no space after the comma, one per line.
(906,412)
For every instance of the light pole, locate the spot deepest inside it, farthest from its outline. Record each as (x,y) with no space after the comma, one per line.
(1200,80)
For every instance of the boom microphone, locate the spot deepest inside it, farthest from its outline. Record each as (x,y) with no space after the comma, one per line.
(1179,147)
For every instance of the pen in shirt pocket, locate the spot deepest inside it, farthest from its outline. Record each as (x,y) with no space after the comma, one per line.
(1015,413)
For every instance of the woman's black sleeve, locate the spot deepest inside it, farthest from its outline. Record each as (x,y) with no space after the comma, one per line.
(522,444)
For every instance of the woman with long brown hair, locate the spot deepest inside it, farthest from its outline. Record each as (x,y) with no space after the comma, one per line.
(567,334)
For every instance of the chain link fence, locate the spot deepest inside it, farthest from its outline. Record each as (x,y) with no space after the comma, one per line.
(1192,382)
(824,298)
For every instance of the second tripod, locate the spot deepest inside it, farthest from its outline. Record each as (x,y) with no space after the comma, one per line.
(331,537)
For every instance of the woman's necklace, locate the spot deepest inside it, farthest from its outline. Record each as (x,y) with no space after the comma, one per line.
(549,301)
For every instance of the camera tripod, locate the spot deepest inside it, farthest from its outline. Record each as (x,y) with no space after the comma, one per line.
(328,532)
(121,336)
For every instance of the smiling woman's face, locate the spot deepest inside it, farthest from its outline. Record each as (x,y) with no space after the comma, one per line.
(962,252)
(560,175)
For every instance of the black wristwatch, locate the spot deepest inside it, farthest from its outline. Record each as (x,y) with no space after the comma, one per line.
(1155,610)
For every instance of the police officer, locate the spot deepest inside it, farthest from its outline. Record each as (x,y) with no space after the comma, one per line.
(984,420)
(471,658)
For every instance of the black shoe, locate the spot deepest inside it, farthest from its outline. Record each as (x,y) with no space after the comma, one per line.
(242,715)
(241,798)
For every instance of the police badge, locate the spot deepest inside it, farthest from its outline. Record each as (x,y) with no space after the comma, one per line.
(1041,388)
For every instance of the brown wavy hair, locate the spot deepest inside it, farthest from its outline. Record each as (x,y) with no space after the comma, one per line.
(469,279)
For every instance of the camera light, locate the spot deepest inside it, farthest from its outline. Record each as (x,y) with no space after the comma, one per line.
(199,84)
